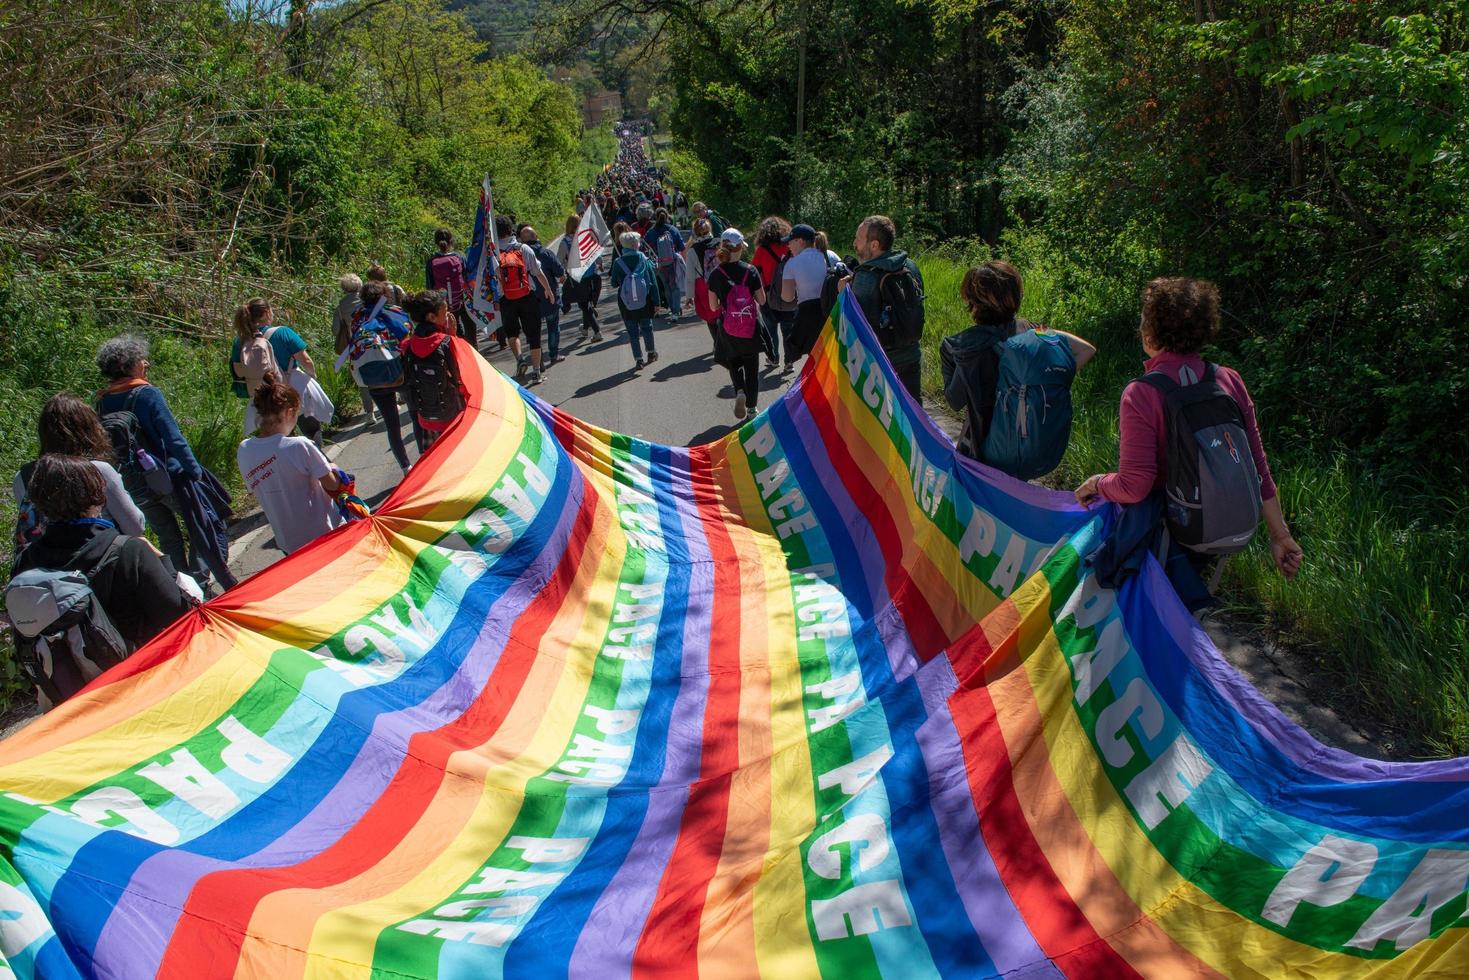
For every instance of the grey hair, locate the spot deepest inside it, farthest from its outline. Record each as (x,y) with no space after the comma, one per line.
(117,356)
(351,283)
(630,240)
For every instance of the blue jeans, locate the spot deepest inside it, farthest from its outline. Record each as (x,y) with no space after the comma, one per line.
(638,332)
(672,288)
(553,332)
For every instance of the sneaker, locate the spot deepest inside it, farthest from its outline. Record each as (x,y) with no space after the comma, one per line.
(739,406)
(751,412)
(521,367)
(788,367)
(597,337)
(652,356)
(639,364)
(533,378)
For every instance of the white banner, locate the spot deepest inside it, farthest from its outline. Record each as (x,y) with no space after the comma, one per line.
(591,241)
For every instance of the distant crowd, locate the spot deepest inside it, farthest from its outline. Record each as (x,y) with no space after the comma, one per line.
(88,587)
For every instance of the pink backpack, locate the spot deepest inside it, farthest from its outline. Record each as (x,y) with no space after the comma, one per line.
(741,315)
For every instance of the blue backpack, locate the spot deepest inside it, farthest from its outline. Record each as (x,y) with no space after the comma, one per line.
(1032,422)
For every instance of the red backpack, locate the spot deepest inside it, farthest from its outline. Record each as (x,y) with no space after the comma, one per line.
(514,276)
(446,272)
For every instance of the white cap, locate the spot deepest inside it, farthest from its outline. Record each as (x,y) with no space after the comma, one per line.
(733,238)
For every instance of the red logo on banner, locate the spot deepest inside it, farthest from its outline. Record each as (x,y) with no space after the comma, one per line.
(586,243)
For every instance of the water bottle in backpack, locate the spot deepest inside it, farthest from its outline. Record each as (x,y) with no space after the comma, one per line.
(1211,485)
(1031,425)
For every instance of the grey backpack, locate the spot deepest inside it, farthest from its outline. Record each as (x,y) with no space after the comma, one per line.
(63,636)
(1212,489)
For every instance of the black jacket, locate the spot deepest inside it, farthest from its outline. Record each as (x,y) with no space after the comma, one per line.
(139,590)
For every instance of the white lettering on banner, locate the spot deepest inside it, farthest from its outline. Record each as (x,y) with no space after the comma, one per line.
(107,802)
(856,775)
(1327,874)
(185,777)
(1407,916)
(1007,572)
(761,441)
(868,908)
(1168,781)
(446,921)
(1092,667)
(928,484)
(613,721)
(512,496)
(979,536)
(1112,719)
(534,477)
(865,834)
(1089,603)
(772,477)
(22,921)
(249,755)
(847,686)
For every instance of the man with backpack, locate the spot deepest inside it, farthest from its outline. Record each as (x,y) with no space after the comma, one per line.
(520,311)
(444,271)
(550,302)
(1011,378)
(83,597)
(889,288)
(378,332)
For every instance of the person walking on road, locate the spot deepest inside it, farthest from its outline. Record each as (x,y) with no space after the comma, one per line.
(550,302)
(779,315)
(889,288)
(445,272)
(805,276)
(638,296)
(585,293)
(381,337)
(172,509)
(347,307)
(736,294)
(520,310)
(668,247)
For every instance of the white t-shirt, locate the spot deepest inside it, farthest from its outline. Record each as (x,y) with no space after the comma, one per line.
(808,271)
(284,473)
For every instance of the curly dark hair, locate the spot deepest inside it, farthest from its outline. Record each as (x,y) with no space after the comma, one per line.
(1180,315)
(64,488)
(992,292)
(772,230)
(69,427)
(423,304)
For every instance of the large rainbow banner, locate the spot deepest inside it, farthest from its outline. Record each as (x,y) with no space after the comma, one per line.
(818,699)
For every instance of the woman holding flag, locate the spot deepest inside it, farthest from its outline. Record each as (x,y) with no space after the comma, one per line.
(584,292)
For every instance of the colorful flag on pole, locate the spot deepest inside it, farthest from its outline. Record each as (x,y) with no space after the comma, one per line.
(821,698)
(484,287)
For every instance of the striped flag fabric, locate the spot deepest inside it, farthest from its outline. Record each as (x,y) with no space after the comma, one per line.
(820,698)
(592,238)
(484,296)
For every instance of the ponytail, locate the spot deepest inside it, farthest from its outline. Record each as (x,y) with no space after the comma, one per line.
(248,317)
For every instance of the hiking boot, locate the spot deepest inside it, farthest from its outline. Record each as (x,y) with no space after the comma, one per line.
(739,406)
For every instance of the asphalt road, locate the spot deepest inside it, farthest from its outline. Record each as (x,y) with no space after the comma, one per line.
(682,399)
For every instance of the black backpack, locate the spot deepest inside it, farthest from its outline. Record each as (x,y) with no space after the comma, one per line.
(900,310)
(126,432)
(1211,486)
(433,383)
(63,636)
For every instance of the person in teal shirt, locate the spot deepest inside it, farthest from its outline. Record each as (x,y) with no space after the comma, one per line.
(286,345)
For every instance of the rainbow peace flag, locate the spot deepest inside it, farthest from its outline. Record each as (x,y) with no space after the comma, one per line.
(816,699)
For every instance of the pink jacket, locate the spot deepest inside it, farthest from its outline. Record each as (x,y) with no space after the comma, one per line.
(1142,460)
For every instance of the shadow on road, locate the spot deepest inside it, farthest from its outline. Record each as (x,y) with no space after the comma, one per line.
(711,434)
(605,384)
(702,364)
